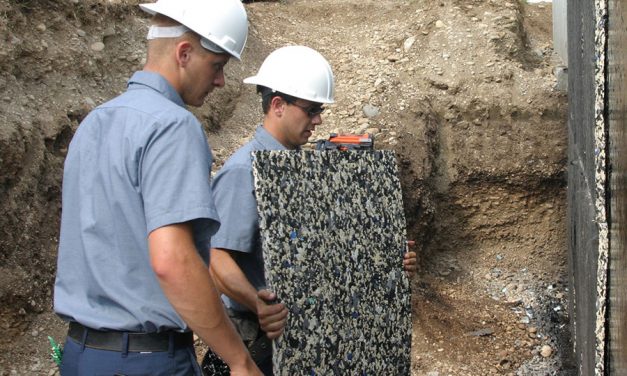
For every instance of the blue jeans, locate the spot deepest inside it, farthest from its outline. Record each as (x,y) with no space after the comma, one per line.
(79,360)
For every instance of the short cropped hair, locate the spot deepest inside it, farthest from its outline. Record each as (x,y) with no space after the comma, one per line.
(267,94)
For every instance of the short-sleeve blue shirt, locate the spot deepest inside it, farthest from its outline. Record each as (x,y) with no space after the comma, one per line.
(234,196)
(136,163)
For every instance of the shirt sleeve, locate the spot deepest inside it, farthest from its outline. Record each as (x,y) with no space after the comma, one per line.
(175,170)
(233,193)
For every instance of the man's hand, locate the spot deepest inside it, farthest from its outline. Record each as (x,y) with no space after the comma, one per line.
(272,316)
(409,259)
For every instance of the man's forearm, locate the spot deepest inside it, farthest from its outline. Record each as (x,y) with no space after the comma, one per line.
(231,280)
(188,286)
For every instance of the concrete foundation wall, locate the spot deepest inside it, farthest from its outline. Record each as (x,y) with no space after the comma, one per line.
(560,29)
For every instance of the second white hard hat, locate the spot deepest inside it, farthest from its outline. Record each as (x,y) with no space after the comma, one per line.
(222,22)
(299,71)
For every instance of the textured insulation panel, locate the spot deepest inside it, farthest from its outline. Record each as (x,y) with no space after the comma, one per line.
(333,234)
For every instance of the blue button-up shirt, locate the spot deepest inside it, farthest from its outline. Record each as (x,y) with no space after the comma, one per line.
(234,195)
(136,163)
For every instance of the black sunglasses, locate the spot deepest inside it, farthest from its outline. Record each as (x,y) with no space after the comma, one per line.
(311,111)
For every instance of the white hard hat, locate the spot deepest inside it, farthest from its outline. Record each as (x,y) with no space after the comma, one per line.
(298,71)
(221,22)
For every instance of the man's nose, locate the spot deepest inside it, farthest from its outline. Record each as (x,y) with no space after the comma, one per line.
(316,120)
(219,80)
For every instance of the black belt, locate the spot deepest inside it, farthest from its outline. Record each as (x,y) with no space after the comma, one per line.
(137,342)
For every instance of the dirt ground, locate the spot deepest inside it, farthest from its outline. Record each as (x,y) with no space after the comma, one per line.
(463,91)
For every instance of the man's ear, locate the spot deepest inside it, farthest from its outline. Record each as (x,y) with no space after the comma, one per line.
(183,52)
(277,105)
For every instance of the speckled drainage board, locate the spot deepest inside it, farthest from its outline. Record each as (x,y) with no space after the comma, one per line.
(333,235)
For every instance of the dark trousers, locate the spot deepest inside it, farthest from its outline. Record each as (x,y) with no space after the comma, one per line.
(79,360)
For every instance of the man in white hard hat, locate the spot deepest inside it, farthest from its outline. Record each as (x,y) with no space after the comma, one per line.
(138,213)
(294,82)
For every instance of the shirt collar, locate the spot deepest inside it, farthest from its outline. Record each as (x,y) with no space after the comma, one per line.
(267,140)
(156,82)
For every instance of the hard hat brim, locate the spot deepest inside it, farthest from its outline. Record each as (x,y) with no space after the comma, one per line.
(149,8)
